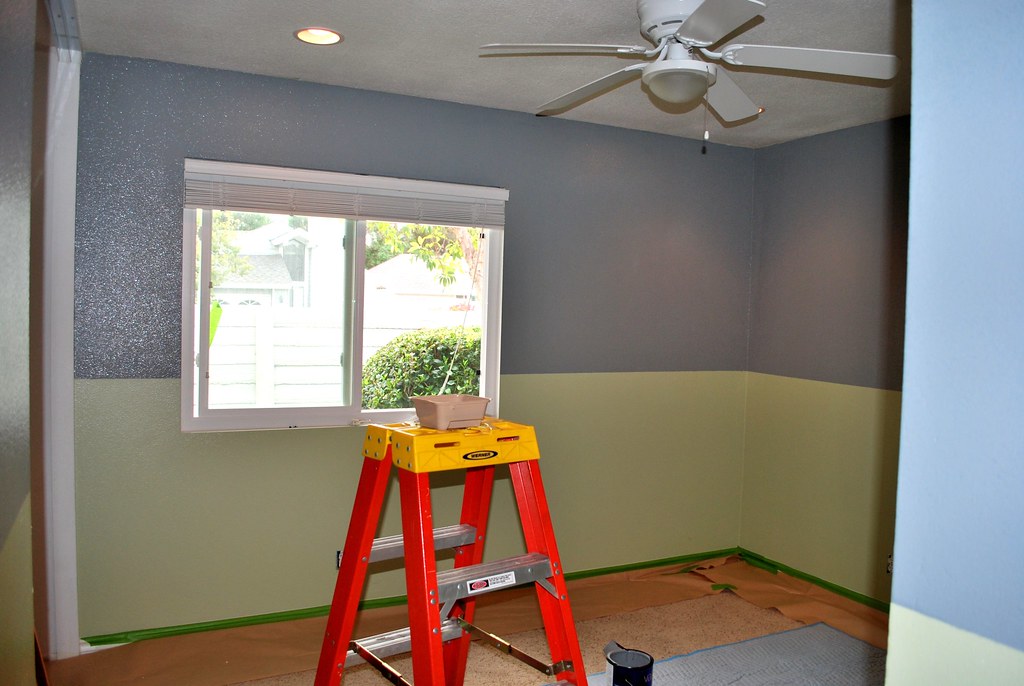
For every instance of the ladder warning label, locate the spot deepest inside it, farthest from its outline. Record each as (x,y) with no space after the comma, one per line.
(489,583)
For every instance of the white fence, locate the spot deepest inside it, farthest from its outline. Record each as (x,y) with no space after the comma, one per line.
(276,356)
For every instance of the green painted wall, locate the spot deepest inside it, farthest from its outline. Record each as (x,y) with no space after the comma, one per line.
(929,652)
(819,482)
(17,662)
(638,466)
(180,528)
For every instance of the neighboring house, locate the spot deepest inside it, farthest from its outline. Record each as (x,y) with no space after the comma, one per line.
(278,257)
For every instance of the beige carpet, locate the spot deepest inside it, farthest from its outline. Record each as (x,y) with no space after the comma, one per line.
(662,631)
(664,611)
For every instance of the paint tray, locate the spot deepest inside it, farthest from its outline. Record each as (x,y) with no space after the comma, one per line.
(450,411)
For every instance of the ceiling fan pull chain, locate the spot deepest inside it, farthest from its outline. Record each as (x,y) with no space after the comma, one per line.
(707,133)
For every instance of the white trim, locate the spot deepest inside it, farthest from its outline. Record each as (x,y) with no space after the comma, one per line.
(58,372)
(260,188)
(188,260)
(354,314)
(342,180)
(491,353)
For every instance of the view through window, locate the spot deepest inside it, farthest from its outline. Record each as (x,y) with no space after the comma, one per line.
(314,298)
(309,313)
(279,311)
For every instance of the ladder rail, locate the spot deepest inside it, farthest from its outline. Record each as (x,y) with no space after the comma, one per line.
(421,578)
(476,507)
(373,482)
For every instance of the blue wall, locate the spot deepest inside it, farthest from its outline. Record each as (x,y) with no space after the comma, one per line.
(624,251)
(958,526)
(830,257)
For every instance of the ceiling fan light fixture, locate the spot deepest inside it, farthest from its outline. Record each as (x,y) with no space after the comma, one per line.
(317,35)
(679,81)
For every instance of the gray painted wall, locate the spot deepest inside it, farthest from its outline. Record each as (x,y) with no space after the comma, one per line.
(624,251)
(830,265)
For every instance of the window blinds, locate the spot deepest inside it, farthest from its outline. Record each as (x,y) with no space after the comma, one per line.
(280,190)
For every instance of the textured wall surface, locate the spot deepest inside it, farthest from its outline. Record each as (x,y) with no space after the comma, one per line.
(624,251)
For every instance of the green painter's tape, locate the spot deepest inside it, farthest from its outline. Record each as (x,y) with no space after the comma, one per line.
(178,630)
(663,562)
(757,560)
(748,556)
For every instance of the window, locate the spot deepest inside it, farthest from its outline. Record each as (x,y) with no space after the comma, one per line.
(304,291)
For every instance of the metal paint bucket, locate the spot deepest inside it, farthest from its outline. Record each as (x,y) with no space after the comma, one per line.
(627,667)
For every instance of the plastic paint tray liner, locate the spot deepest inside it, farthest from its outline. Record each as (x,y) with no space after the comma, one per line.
(450,411)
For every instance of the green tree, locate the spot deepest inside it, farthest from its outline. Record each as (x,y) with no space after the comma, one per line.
(444,249)
(419,363)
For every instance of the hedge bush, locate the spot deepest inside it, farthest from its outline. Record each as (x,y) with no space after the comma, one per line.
(415,363)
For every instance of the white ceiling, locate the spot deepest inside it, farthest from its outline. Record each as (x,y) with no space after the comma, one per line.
(429,49)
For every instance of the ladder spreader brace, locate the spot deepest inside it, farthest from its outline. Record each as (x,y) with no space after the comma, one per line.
(442,604)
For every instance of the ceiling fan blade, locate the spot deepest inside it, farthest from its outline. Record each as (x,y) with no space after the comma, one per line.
(583,92)
(560,48)
(865,64)
(729,101)
(714,19)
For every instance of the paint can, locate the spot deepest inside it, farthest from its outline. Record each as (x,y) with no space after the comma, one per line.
(627,667)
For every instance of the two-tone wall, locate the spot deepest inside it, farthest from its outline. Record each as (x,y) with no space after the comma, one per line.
(957,604)
(624,317)
(627,338)
(826,343)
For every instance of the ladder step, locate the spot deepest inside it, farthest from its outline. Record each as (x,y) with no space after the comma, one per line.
(463,582)
(445,537)
(397,642)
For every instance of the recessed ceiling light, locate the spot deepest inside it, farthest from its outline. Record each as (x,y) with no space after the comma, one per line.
(315,35)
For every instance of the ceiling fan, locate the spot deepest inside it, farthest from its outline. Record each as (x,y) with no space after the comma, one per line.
(683,69)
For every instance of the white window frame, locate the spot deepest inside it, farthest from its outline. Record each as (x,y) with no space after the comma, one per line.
(225,185)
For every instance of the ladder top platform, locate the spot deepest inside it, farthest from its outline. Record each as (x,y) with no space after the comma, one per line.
(420,449)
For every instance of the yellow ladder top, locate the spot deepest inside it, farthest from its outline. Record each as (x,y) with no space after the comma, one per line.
(420,449)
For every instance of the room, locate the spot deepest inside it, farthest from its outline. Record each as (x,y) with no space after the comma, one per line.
(748,301)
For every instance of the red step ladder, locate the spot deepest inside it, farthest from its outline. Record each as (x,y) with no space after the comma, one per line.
(441,605)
